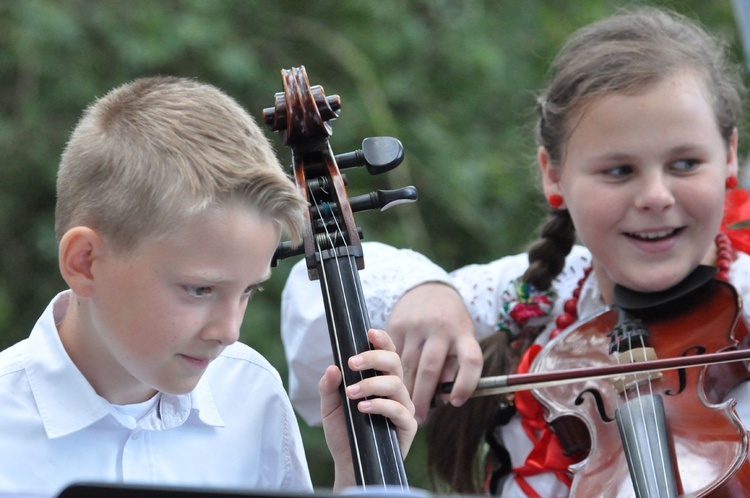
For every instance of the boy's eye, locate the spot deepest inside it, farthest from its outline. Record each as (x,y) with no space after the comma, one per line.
(198,291)
(252,290)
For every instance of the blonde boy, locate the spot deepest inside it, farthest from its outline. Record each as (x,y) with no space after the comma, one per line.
(170,206)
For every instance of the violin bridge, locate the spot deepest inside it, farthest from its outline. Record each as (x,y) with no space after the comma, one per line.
(623,383)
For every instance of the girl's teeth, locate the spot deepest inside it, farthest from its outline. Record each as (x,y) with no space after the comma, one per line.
(653,235)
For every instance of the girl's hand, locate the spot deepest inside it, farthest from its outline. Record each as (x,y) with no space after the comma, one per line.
(387,395)
(435,337)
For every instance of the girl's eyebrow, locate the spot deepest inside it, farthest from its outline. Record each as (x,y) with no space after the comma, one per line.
(687,148)
(690,148)
(613,157)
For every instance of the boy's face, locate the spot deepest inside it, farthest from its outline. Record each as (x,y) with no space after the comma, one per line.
(157,318)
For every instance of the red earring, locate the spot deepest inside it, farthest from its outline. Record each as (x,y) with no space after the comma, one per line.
(731,183)
(555,201)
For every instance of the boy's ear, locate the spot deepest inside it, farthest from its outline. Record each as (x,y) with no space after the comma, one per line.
(550,174)
(79,247)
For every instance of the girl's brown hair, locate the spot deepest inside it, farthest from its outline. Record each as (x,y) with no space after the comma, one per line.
(624,54)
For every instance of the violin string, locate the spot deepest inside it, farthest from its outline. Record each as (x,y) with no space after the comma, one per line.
(639,398)
(659,436)
(629,452)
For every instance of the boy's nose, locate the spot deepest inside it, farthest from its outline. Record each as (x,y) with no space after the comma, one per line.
(225,325)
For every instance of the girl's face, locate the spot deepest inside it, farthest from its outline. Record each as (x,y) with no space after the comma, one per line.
(643,177)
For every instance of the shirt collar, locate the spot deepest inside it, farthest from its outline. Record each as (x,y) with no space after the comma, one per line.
(68,403)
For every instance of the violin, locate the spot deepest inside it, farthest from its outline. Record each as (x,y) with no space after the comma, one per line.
(619,391)
(659,433)
(333,252)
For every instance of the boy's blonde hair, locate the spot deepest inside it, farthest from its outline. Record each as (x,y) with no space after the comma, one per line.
(158,150)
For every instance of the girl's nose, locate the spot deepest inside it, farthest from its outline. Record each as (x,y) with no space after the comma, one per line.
(654,193)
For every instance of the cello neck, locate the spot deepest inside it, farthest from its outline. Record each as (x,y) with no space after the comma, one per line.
(333,255)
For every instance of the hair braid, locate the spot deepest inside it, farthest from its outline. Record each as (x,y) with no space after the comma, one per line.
(624,54)
(547,255)
(455,434)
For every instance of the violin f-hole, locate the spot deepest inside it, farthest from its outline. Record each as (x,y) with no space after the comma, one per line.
(682,373)
(598,400)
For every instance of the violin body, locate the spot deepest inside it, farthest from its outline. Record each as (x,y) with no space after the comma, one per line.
(705,442)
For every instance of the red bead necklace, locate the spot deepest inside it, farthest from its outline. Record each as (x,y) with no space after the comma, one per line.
(724,257)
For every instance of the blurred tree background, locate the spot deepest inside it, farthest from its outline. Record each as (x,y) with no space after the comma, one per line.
(454,80)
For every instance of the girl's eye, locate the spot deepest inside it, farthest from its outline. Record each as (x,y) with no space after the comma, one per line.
(618,171)
(198,291)
(685,164)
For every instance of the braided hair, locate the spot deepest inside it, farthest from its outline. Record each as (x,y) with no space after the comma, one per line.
(626,53)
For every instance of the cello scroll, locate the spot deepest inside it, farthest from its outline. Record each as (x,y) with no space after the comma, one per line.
(333,251)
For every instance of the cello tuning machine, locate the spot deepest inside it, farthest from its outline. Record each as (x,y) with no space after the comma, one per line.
(378,154)
(383,199)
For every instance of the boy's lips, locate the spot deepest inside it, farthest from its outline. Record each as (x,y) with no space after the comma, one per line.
(199,361)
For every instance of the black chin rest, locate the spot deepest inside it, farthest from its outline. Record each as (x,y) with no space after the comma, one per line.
(631,300)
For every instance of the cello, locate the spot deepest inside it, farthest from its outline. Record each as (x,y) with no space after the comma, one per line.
(333,252)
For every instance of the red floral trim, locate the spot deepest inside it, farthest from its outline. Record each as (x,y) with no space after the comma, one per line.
(736,222)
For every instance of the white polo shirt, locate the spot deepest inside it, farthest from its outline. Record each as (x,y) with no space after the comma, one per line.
(236,429)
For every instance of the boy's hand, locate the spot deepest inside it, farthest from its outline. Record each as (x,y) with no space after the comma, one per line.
(434,335)
(387,396)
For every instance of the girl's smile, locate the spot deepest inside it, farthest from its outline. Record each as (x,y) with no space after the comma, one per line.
(645,199)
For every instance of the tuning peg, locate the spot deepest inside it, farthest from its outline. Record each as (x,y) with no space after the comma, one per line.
(383,199)
(379,154)
(286,250)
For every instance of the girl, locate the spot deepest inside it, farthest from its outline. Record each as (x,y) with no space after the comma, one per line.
(637,147)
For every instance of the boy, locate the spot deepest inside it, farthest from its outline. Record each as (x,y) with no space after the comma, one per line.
(170,206)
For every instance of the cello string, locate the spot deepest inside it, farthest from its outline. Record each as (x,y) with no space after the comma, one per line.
(339,355)
(394,448)
(348,259)
(392,437)
(340,232)
(393,445)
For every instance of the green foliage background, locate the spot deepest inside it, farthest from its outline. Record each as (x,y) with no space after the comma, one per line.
(454,80)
